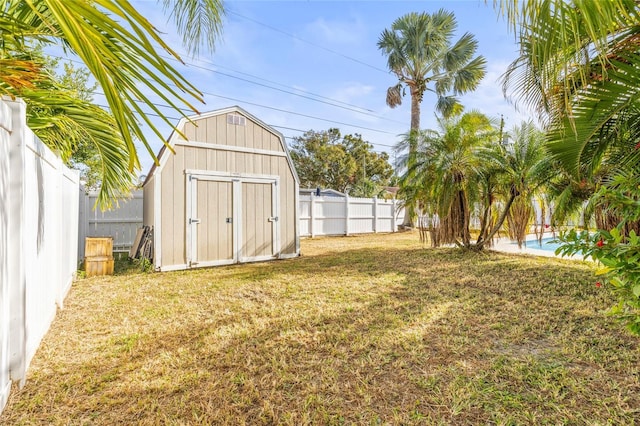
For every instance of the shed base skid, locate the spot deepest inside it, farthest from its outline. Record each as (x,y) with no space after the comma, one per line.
(170,268)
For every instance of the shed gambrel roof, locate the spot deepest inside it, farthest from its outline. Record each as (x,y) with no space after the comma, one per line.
(171,141)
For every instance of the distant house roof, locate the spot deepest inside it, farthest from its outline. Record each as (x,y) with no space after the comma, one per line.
(392,189)
(321,192)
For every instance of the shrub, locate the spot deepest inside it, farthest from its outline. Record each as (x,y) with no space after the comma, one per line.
(619,260)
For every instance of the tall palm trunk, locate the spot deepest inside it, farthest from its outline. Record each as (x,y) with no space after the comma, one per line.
(409,208)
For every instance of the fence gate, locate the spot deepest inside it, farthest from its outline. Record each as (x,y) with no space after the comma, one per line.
(231,219)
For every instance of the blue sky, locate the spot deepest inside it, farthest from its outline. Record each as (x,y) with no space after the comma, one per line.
(326,50)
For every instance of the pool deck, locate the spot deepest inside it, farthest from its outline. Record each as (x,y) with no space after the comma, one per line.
(505,245)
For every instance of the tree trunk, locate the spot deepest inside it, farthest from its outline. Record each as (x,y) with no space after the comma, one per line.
(409,208)
(484,222)
(464,209)
(415,110)
(480,243)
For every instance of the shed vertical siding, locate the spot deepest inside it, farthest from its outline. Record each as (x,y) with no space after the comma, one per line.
(148,199)
(173,207)
(217,130)
(249,149)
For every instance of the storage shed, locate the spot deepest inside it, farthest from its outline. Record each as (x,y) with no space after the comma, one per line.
(228,195)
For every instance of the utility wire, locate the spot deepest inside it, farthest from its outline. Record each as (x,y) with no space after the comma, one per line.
(275,88)
(274,109)
(271,125)
(267,80)
(300,114)
(230,12)
(349,107)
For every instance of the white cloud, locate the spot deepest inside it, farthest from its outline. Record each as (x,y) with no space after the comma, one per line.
(489,98)
(351,92)
(337,32)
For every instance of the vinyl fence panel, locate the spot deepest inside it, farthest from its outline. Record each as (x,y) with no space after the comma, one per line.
(324,215)
(121,222)
(327,215)
(5,138)
(38,240)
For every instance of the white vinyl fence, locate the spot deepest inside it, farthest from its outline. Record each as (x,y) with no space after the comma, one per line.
(121,222)
(347,215)
(38,241)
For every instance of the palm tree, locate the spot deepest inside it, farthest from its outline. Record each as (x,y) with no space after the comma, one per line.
(522,168)
(578,69)
(419,52)
(462,172)
(116,44)
(446,174)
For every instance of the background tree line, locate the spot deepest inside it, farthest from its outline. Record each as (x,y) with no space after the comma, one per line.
(326,159)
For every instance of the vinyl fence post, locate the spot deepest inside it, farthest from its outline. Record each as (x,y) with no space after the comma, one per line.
(15,237)
(375,215)
(393,215)
(312,207)
(346,215)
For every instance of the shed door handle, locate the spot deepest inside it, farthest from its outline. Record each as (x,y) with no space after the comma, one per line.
(191,221)
(273,219)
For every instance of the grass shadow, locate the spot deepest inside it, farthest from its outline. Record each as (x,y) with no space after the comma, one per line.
(363,335)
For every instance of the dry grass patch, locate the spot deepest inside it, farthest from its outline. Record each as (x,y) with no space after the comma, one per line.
(360,330)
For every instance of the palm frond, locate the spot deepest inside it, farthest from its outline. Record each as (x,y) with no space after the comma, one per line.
(394,95)
(199,21)
(449,106)
(117,45)
(598,104)
(460,53)
(468,77)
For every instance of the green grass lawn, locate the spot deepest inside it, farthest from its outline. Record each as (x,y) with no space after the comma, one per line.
(360,330)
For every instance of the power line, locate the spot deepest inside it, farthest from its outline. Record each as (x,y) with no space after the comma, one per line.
(271,108)
(287,128)
(275,109)
(307,41)
(299,114)
(271,125)
(349,107)
(266,80)
(274,88)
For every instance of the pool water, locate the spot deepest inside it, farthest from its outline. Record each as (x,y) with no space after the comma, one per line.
(545,244)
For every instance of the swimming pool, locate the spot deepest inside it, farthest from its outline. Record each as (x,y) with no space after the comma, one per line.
(545,244)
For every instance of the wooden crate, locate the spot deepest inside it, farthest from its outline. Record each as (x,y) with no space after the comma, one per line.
(98,265)
(98,246)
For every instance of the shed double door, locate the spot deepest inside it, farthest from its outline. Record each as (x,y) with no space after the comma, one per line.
(231,220)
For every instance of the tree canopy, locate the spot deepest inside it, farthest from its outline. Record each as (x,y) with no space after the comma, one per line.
(420,53)
(348,164)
